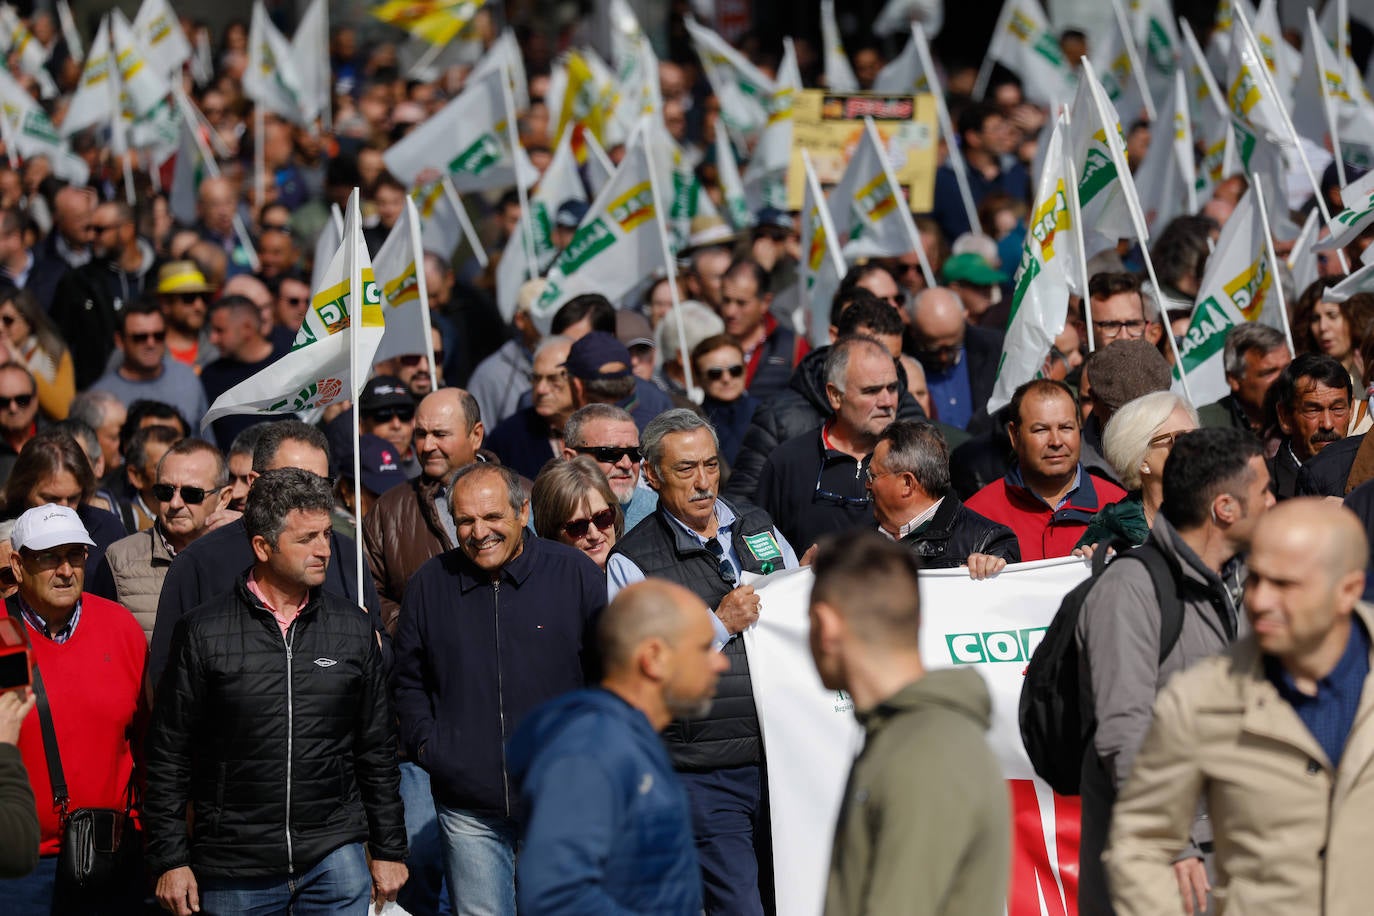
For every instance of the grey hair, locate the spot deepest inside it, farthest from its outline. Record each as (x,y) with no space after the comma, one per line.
(677,420)
(245,442)
(918,448)
(837,360)
(698,322)
(552,340)
(515,490)
(276,494)
(1251,336)
(573,436)
(1127,436)
(89,407)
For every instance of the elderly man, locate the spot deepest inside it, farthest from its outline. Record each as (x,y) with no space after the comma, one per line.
(296,772)
(609,434)
(960,359)
(1272,736)
(908,478)
(191,486)
(814,484)
(236,331)
(1048,497)
(1313,395)
(104,413)
(183,294)
(1254,356)
(533,435)
(90,655)
(146,372)
(70,238)
(704,543)
(581,762)
(216,206)
(925,759)
(527,608)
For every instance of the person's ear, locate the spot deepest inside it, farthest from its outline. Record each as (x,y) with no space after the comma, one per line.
(261,549)
(651,477)
(834,396)
(524,514)
(655,659)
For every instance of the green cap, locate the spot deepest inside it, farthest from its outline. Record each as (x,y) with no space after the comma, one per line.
(973,269)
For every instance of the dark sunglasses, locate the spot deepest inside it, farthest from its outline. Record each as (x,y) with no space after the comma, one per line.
(295,300)
(20,400)
(716,373)
(387,414)
(191,496)
(8,320)
(149,336)
(610,454)
(190,298)
(413,359)
(578,527)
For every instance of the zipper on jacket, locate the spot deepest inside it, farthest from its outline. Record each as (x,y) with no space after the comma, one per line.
(288,638)
(500,691)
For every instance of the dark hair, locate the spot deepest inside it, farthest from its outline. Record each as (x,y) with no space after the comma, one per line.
(562,486)
(872,313)
(874,582)
(578,307)
(844,300)
(1320,368)
(47,453)
(144,305)
(190,446)
(1045,388)
(246,441)
(1204,464)
(136,453)
(274,434)
(276,494)
(712,344)
(142,409)
(855,275)
(241,306)
(751,268)
(1108,284)
(918,448)
(972,118)
(1302,313)
(1181,249)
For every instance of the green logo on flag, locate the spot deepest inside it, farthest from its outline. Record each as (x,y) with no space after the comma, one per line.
(1047,46)
(1025,275)
(1206,334)
(1098,172)
(484,152)
(592,239)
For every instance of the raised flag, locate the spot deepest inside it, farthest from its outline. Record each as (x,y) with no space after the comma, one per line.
(189,171)
(1167,179)
(904,74)
(399,270)
(1025,43)
(30,132)
(1223,26)
(589,97)
(1210,116)
(1095,146)
(766,175)
(839,75)
(1123,79)
(505,52)
(741,89)
(318,370)
(1302,260)
(898,16)
(1157,38)
(310,49)
(435,21)
(1350,223)
(1282,59)
(731,187)
(271,78)
(326,243)
(92,103)
(1049,265)
(822,264)
(22,48)
(1330,98)
(159,29)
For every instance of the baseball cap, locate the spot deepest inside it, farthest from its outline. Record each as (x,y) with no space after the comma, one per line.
(598,355)
(384,391)
(570,213)
(774,218)
(47,526)
(973,269)
(379,464)
(181,277)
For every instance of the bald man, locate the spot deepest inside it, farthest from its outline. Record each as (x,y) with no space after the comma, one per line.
(1275,737)
(594,774)
(960,359)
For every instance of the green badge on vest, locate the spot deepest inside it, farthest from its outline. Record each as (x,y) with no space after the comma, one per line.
(763,546)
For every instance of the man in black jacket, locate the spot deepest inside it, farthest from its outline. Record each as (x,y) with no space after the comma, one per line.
(913,502)
(273,722)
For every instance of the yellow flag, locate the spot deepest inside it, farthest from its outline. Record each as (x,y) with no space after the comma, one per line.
(435,21)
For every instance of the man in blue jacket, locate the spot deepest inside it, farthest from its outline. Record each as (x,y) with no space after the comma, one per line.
(608,829)
(487,632)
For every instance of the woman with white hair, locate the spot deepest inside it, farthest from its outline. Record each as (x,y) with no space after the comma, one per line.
(1136,443)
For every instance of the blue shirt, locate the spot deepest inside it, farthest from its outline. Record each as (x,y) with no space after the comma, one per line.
(951,393)
(1330,714)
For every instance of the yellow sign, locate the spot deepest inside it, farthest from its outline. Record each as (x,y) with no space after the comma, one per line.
(829,126)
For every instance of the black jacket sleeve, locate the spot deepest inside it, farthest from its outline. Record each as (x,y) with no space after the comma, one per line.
(19,834)
(169,747)
(180,593)
(759,441)
(375,764)
(409,680)
(102,582)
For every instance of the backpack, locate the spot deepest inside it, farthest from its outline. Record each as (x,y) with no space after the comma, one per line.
(1055,730)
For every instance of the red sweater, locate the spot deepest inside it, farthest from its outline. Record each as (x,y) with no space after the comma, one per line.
(1041,531)
(94,681)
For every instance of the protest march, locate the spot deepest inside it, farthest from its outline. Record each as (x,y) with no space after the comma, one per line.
(700,457)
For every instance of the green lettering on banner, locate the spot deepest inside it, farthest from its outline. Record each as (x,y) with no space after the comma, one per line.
(592,239)
(1025,275)
(1098,173)
(763,546)
(483,153)
(995,646)
(1245,142)
(1047,46)
(543,227)
(1160,49)
(1206,334)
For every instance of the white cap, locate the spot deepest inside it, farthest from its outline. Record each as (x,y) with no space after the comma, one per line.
(48,526)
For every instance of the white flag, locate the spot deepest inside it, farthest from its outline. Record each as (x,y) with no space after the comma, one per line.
(1167,179)
(20,45)
(904,74)
(1122,78)
(839,75)
(1282,59)
(731,187)
(271,78)
(1223,25)
(765,178)
(310,50)
(1330,98)
(32,134)
(619,242)
(1346,226)
(329,241)
(186,179)
(1158,40)
(1099,157)
(1049,262)
(159,29)
(867,206)
(822,264)
(1210,115)
(741,88)
(505,51)
(1238,286)
(900,15)
(143,86)
(1302,260)
(398,268)
(1025,43)
(469,139)
(93,102)
(317,371)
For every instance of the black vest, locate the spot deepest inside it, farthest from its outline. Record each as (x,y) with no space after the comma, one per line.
(729,735)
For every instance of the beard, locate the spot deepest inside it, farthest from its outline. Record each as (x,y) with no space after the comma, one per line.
(687,707)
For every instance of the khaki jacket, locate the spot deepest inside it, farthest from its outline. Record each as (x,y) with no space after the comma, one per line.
(400,534)
(1293,834)
(138,564)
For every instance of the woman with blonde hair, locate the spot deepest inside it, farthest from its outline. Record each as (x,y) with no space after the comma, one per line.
(30,339)
(573,504)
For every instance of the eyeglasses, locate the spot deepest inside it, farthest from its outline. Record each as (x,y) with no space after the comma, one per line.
(727,572)
(99,230)
(1133,328)
(21,401)
(53,559)
(874,475)
(1165,441)
(716,373)
(191,496)
(190,298)
(578,527)
(149,337)
(411,359)
(846,501)
(610,454)
(387,414)
(896,300)
(295,300)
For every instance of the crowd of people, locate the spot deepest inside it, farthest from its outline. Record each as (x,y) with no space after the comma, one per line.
(545,704)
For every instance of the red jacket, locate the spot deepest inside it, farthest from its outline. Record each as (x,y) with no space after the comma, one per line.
(1042,531)
(94,682)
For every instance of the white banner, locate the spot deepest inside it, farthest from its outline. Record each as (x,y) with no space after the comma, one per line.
(811,735)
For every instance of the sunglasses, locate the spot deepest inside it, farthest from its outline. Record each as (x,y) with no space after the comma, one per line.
(578,527)
(413,359)
(149,337)
(610,454)
(191,496)
(716,373)
(190,298)
(295,300)
(387,414)
(20,400)
(8,320)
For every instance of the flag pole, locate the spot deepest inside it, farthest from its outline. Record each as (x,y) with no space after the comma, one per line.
(417,252)
(903,205)
(1137,72)
(956,156)
(353,238)
(190,114)
(1273,262)
(526,230)
(669,262)
(1315,35)
(464,223)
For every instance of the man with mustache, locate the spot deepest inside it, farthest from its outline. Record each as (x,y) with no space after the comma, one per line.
(705,544)
(1313,396)
(487,632)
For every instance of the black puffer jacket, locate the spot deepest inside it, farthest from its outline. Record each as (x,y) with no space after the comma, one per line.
(284,746)
(956,531)
(800,407)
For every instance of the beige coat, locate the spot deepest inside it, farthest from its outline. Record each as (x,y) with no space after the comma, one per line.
(138,564)
(1293,835)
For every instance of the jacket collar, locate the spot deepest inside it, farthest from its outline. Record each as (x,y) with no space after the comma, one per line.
(514,572)
(245,594)
(1080,505)
(941,524)
(687,541)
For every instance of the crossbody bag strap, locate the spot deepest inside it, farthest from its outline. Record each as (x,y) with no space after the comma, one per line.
(56,778)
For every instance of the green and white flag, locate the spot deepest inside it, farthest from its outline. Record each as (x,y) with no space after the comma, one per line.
(741,88)
(1167,179)
(190,171)
(30,133)
(1095,145)
(399,270)
(505,51)
(1281,58)
(620,241)
(1026,44)
(310,49)
(765,178)
(839,75)
(1210,116)
(822,264)
(731,187)
(271,78)
(1330,99)
(468,139)
(1049,265)
(159,29)
(1123,78)
(1238,286)
(318,371)
(904,74)
(867,206)
(23,49)
(1346,226)
(92,103)
(1158,40)
(326,243)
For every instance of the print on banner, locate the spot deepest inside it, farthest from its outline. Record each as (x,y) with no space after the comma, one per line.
(1244,93)
(873,202)
(1249,288)
(633,208)
(480,155)
(403,289)
(317,394)
(994,646)
(1206,335)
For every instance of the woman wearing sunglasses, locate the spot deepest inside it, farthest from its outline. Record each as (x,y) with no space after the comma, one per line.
(574,505)
(28,337)
(718,367)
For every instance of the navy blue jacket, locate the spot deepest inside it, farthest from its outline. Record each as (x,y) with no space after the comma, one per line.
(475,654)
(607,828)
(521,441)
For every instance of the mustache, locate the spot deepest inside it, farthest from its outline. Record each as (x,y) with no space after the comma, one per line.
(490,540)
(1325,435)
